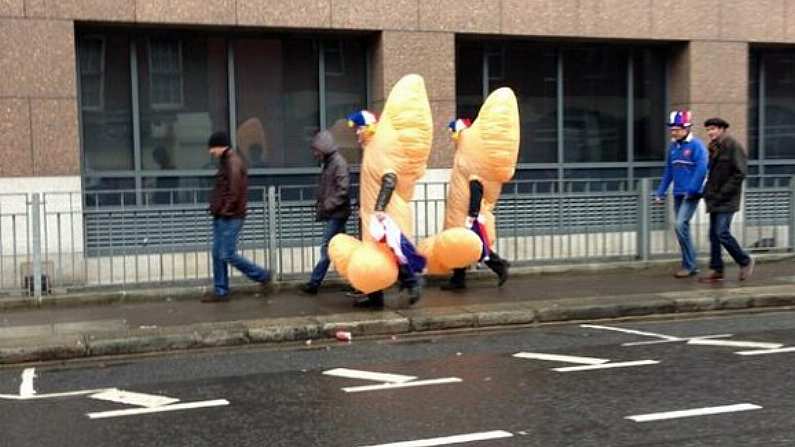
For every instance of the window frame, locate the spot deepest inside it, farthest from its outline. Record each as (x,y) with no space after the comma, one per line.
(101,106)
(491,47)
(179,73)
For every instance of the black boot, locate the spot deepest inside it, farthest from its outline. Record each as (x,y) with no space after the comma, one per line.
(410,283)
(457,281)
(415,293)
(500,267)
(374,300)
(309,288)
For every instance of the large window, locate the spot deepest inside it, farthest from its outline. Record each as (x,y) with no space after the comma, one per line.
(771,127)
(149,100)
(601,105)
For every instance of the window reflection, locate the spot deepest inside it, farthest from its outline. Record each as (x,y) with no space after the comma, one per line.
(779,122)
(595,104)
(649,104)
(175,125)
(277,100)
(105,105)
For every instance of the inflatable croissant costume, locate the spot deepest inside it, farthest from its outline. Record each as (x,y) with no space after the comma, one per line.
(486,154)
(396,147)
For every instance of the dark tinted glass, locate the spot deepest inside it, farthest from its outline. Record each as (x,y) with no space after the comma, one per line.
(531,71)
(595,104)
(649,104)
(779,104)
(278,107)
(183,99)
(105,105)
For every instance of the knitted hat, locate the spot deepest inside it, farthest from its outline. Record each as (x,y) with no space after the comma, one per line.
(680,118)
(361,118)
(218,139)
(457,125)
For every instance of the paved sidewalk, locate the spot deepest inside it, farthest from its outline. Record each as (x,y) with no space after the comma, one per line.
(164,322)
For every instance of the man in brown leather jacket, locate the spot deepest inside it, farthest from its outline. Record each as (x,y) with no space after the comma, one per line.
(228,206)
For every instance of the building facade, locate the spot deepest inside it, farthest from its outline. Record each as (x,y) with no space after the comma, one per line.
(100,95)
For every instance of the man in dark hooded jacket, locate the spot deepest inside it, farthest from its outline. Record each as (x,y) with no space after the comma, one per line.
(333,202)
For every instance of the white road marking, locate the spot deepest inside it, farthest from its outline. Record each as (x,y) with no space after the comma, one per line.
(735,344)
(175,407)
(54,395)
(693,412)
(655,342)
(137,399)
(26,387)
(457,439)
(766,351)
(391,386)
(606,366)
(368,375)
(631,331)
(560,358)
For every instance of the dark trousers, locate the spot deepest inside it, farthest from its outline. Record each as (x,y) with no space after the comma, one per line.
(495,263)
(720,236)
(333,227)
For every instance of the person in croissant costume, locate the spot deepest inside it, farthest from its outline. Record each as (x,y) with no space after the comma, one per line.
(396,149)
(485,158)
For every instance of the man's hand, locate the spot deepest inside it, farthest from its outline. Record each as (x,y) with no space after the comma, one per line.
(469,222)
(658,200)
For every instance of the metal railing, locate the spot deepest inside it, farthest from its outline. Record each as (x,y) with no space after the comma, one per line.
(71,240)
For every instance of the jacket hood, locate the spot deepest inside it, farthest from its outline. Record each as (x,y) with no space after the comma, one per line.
(324,142)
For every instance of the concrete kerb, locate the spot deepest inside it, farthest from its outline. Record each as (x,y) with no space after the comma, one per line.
(102,341)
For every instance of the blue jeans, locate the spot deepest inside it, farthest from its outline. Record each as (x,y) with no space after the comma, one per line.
(685,208)
(225,234)
(720,235)
(333,227)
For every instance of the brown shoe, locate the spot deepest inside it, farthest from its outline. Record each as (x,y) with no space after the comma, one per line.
(746,271)
(685,273)
(712,277)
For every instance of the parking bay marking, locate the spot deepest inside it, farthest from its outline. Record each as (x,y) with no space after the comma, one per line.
(584,363)
(693,412)
(703,340)
(387,381)
(368,375)
(447,440)
(170,407)
(766,351)
(152,403)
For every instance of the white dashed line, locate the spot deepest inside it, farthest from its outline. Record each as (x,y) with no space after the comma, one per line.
(457,439)
(693,412)
(606,366)
(368,375)
(560,358)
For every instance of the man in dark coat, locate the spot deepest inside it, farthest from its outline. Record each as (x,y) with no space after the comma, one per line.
(728,166)
(228,207)
(333,202)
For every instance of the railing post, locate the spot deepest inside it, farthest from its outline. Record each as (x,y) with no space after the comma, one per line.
(35,228)
(273,257)
(791,231)
(643,237)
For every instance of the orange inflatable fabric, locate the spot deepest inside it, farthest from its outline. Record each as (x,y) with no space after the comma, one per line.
(487,151)
(400,143)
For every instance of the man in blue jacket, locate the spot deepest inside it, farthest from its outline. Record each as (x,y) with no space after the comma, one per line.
(686,166)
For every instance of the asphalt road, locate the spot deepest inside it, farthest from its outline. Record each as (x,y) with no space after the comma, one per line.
(487,395)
